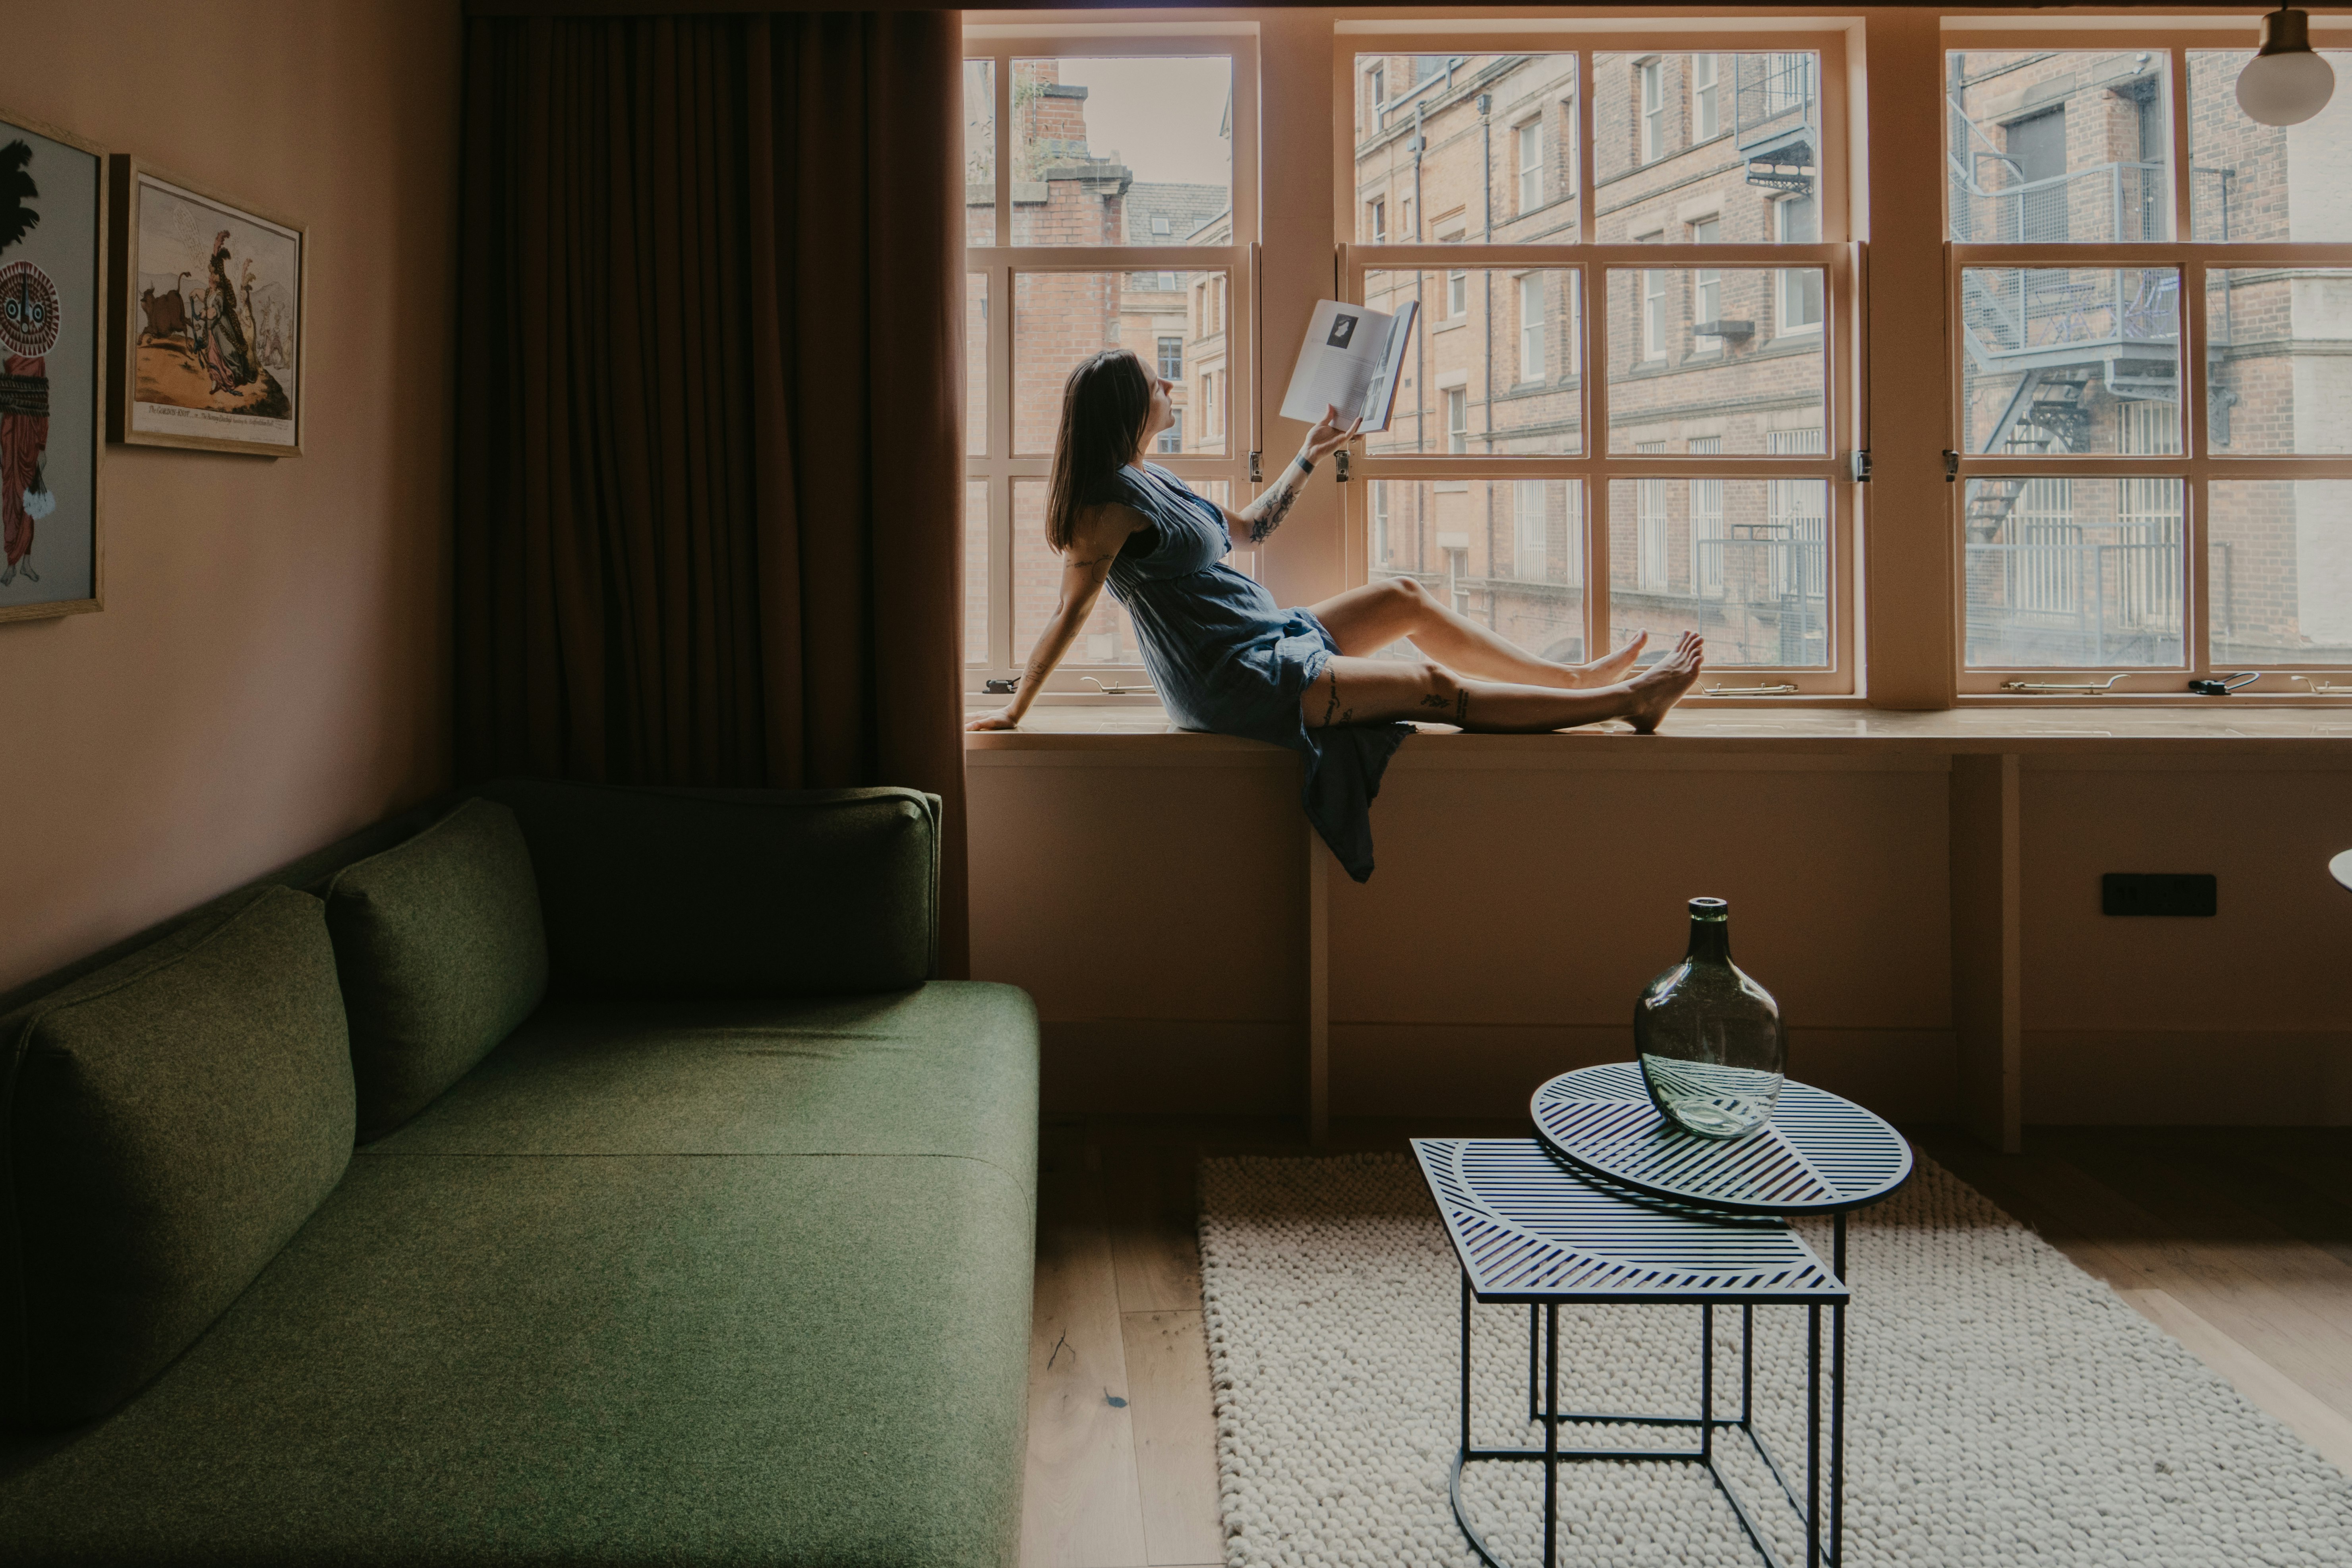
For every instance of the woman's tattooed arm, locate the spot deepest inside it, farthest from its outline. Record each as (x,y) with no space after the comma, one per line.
(1267,512)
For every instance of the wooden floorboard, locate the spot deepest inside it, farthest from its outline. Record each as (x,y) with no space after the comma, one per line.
(1081,1507)
(2237,1242)
(1175,1437)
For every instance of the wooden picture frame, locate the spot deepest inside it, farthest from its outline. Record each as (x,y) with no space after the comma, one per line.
(54,306)
(212,298)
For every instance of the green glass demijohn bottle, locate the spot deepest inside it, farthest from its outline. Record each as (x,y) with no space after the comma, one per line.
(1712,1048)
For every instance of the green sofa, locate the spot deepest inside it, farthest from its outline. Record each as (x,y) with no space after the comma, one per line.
(556,1174)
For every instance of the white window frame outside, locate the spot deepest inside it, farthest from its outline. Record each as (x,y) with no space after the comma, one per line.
(1457,419)
(1526,141)
(1706,288)
(1653,313)
(1530,530)
(1531,327)
(1789,283)
(1706,524)
(1650,76)
(1707,97)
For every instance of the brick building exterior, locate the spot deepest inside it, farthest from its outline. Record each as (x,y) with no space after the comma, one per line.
(1688,148)
(2052,147)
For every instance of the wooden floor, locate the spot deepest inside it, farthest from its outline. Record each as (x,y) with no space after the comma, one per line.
(2238,1242)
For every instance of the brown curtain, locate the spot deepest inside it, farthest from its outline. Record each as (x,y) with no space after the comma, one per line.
(709,444)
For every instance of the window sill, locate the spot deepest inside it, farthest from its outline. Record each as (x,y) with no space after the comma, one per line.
(1731,727)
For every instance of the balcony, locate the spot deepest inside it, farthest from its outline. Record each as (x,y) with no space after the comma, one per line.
(1776,119)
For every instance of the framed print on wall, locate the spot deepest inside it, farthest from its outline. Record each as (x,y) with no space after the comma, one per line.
(212,310)
(52,356)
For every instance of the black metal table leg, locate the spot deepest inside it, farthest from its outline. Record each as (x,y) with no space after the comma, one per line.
(1837,1400)
(1465,1361)
(1551,1435)
(1706,1385)
(1812,1438)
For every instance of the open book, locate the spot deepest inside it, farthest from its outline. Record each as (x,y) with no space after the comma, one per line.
(1350,363)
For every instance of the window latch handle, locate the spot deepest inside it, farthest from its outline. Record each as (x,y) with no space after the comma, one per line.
(1257,477)
(1951,466)
(1340,464)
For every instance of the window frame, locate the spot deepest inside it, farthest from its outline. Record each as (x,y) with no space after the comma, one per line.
(1526,135)
(1712,88)
(1649,110)
(1594,468)
(2194,465)
(1532,369)
(1234,264)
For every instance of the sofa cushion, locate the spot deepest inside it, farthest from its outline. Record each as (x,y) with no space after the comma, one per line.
(670,892)
(441,951)
(171,1119)
(949,1070)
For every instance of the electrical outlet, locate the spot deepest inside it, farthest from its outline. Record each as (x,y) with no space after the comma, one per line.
(2159,893)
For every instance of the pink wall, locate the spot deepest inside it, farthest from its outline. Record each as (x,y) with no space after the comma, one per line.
(271,668)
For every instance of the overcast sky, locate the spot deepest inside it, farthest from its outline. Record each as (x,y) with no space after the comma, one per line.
(1161,115)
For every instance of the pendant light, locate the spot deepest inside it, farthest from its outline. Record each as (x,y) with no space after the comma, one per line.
(2284,83)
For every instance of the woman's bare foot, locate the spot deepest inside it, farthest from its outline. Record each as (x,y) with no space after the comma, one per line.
(1662,685)
(1610,668)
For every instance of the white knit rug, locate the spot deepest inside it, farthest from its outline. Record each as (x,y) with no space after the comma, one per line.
(2003,1407)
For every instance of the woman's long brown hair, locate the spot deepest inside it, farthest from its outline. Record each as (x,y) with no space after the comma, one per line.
(1104,405)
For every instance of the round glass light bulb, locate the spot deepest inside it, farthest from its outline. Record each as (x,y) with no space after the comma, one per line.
(2285,88)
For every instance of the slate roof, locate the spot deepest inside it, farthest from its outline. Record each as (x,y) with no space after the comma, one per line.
(1186,209)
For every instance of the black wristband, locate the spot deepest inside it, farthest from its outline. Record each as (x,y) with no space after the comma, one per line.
(1306,464)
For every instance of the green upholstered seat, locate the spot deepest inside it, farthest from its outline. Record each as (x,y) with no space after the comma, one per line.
(945,1069)
(742,1282)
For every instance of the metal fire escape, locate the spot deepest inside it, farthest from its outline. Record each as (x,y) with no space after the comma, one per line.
(1776,119)
(2061,332)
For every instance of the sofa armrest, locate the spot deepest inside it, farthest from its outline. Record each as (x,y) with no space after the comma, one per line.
(731,892)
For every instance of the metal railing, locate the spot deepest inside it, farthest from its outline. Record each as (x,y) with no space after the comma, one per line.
(1771,93)
(1763,571)
(2079,602)
(2115,203)
(2018,310)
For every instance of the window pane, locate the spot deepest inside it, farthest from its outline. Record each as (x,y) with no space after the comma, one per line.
(1750,373)
(975,364)
(1108,637)
(979,151)
(975,572)
(1060,318)
(1507,553)
(2279,570)
(1123,152)
(2071,360)
(2250,181)
(1498,375)
(2073,574)
(1525,145)
(2045,147)
(2281,381)
(1677,138)
(1744,563)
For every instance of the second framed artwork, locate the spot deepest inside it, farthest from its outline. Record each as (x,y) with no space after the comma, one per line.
(213,317)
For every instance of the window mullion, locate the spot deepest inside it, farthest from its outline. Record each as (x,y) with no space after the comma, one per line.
(2197,645)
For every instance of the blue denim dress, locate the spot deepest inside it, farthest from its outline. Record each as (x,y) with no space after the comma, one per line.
(1226,659)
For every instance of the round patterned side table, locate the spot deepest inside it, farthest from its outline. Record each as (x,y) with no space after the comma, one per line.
(1820,1154)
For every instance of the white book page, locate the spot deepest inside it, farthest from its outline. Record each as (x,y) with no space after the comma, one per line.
(1339,362)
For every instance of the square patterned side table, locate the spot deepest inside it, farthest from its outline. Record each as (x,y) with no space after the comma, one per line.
(1529,1229)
